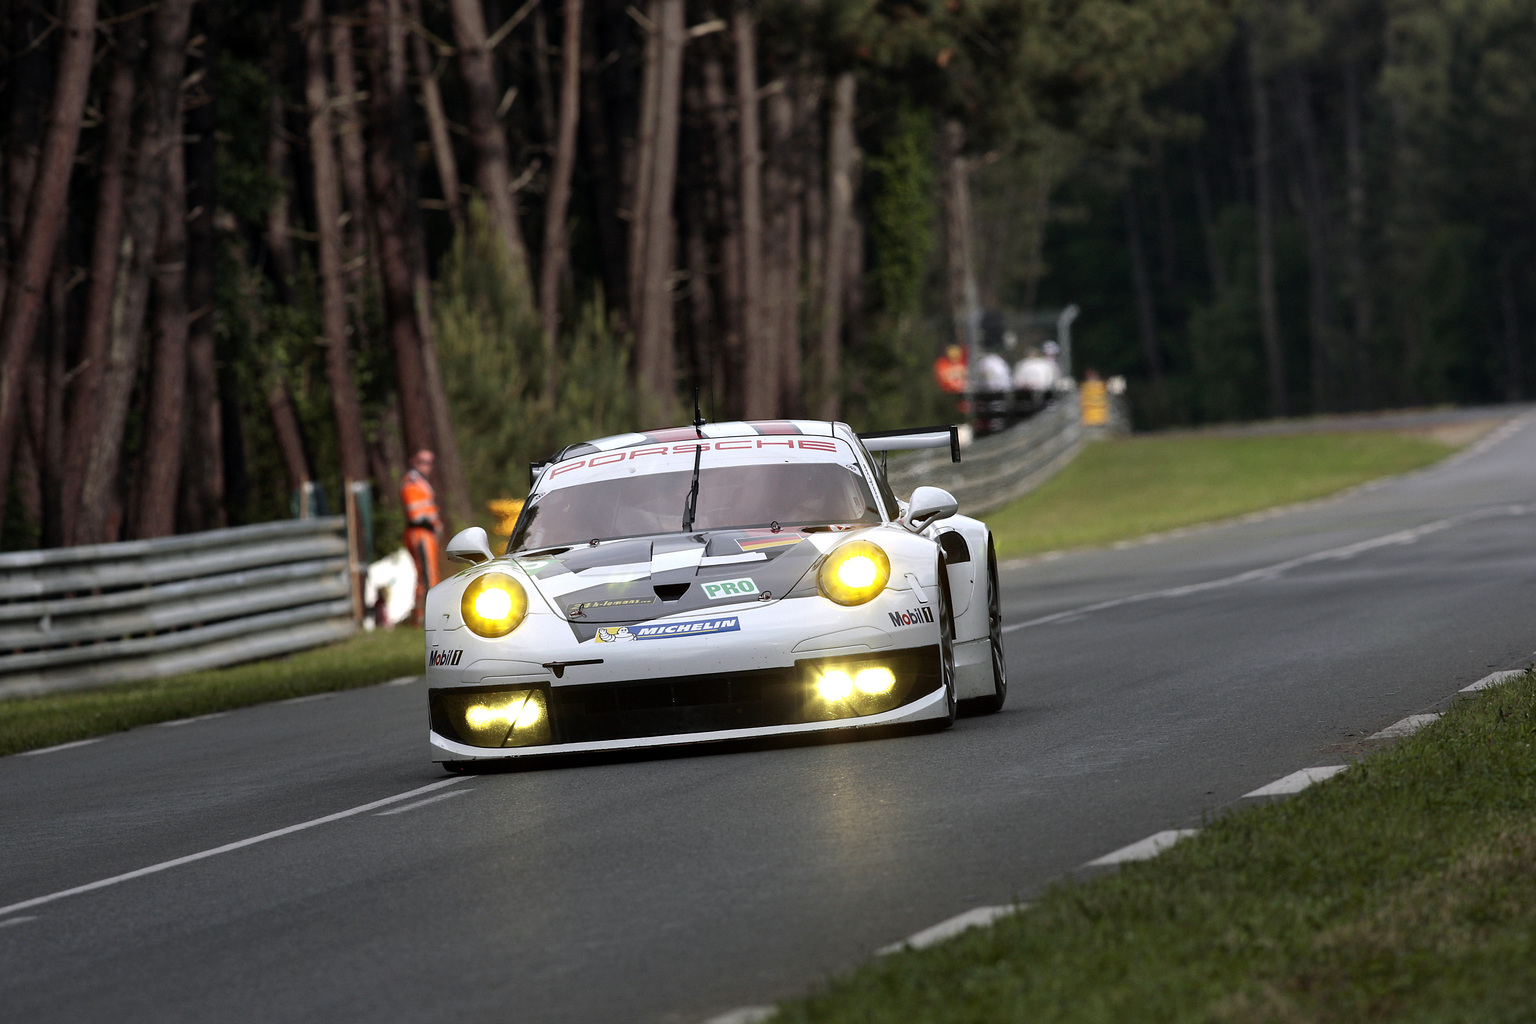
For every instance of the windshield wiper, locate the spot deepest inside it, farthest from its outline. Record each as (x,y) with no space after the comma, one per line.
(691,506)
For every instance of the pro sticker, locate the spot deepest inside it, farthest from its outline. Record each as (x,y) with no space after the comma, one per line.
(721,589)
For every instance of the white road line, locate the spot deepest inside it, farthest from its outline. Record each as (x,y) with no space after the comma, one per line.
(1146,849)
(1298,781)
(166,865)
(422,803)
(976,918)
(61,746)
(17,920)
(1407,727)
(1271,572)
(402,681)
(194,718)
(1494,679)
(305,700)
(744,1015)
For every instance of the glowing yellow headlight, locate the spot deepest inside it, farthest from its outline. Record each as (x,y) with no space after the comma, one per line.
(834,686)
(494,604)
(876,682)
(515,718)
(854,573)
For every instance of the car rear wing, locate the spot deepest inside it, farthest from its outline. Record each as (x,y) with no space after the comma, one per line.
(913,438)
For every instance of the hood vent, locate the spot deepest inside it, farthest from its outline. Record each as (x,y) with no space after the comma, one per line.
(671,591)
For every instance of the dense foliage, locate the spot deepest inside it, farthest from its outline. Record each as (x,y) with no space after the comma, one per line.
(490,228)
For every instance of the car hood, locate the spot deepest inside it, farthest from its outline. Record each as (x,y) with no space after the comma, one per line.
(625,581)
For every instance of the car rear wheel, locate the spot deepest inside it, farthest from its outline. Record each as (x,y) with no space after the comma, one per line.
(994,702)
(946,647)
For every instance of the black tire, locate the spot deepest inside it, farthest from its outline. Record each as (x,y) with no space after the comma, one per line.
(988,705)
(946,647)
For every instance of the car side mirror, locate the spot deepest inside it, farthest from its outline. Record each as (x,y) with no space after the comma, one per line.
(928,506)
(471,545)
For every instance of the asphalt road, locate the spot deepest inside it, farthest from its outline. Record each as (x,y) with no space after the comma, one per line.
(1152,686)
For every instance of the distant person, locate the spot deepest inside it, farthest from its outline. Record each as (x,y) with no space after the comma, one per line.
(1036,374)
(423,526)
(992,374)
(950,370)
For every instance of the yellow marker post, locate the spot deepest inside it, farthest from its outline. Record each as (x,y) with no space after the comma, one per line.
(1095,402)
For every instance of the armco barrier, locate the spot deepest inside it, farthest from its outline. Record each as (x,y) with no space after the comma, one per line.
(1001,467)
(107,613)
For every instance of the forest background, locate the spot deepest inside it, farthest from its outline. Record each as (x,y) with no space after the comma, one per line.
(249,246)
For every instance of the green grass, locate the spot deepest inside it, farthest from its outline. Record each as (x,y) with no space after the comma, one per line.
(27,723)
(1128,487)
(1402,890)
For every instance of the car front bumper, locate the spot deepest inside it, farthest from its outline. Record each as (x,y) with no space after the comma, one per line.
(636,714)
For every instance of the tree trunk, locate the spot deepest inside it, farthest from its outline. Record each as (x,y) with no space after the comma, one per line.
(553,264)
(770,332)
(154,513)
(426,421)
(654,357)
(202,491)
(1203,207)
(285,424)
(542,76)
(349,139)
(30,83)
(607,193)
(729,188)
(957,232)
(45,217)
(84,406)
(639,198)
(279,223)
(1514,357)
(49,379)
(1354,236)
(492,166)
(1167,239)
(1269,313)
(437,120)
(333,290)
(1315,218)
(388,160)
(840,157)
(1141,287)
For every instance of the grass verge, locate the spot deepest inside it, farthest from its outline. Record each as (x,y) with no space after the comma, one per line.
(1402,890)
(27,723)
(1128,487)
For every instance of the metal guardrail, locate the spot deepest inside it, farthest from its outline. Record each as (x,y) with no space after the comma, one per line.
(1000,467)
(108,613)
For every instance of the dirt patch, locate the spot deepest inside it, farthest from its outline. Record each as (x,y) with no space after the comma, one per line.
(1457,435)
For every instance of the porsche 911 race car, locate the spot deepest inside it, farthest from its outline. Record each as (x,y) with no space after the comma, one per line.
(716,582)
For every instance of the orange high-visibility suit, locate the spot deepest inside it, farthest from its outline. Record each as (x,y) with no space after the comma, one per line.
(421,525)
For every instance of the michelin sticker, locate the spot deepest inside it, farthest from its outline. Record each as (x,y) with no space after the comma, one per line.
(729,588)
(668,630)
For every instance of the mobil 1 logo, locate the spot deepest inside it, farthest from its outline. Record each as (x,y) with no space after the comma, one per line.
(911,617)
(721,589)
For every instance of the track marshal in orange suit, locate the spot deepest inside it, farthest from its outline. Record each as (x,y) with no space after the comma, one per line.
(423,525)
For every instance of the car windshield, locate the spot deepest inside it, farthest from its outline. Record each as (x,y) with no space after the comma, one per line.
(730,497)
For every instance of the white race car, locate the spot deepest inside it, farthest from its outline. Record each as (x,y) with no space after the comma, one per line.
(714,582)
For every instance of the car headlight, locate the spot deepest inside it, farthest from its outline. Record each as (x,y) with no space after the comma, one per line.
(494,604)
(854,573)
